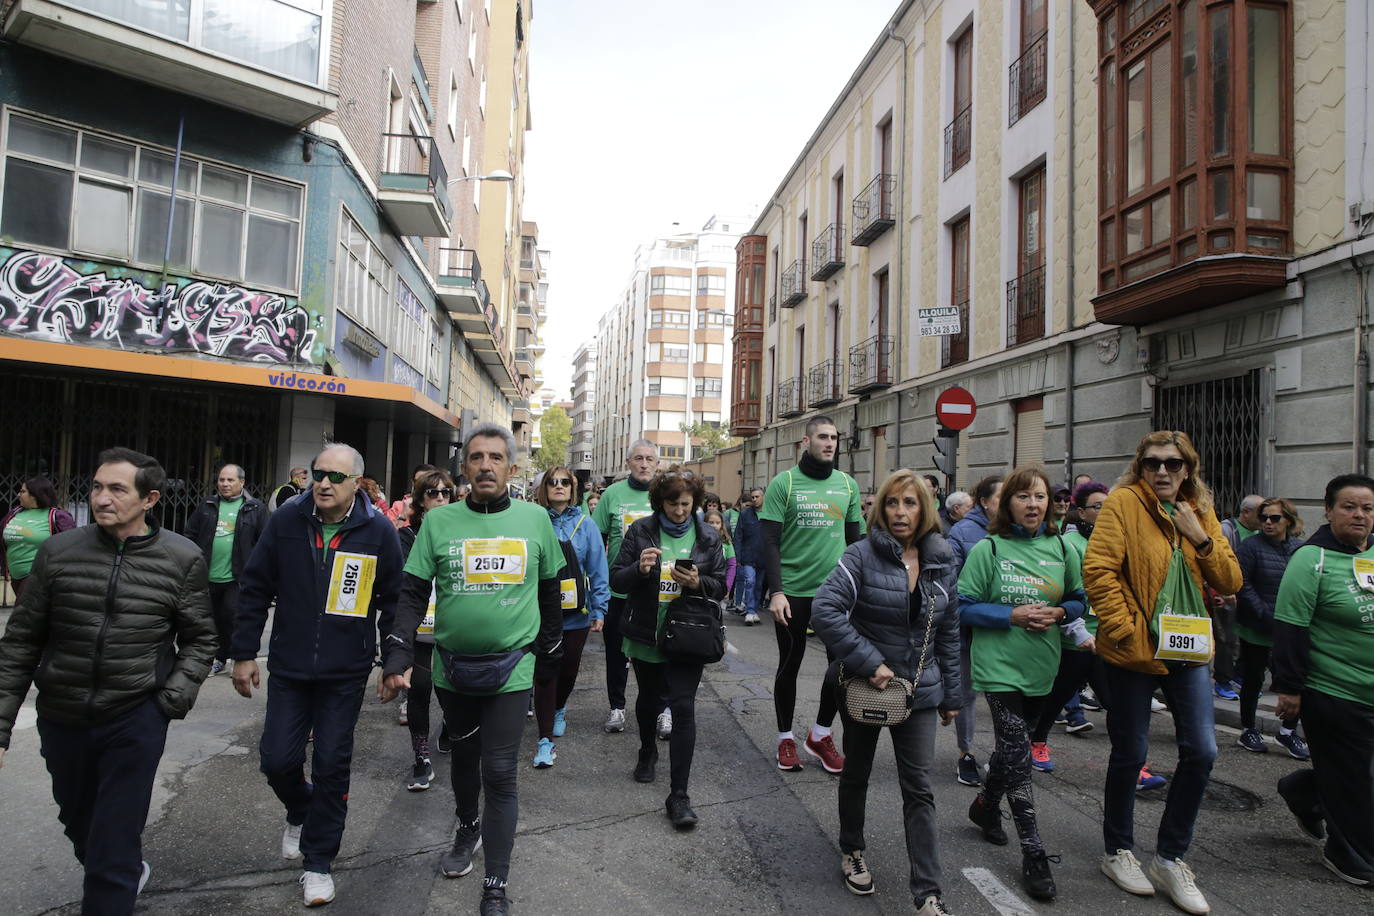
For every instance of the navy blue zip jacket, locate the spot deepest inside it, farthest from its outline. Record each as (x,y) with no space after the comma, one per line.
(288,565)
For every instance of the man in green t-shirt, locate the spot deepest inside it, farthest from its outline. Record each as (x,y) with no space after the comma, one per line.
(810,513)
(622,504)
(493,565)
(226,527)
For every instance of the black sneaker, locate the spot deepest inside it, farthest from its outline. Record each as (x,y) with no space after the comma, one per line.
(680,811)
(458,861)
(989,820)
(1035,874)
(1311,823)
(644,769)
(967,773)
(1344,872)
(445,743)
(421,775)
(1252,741)
(494,902)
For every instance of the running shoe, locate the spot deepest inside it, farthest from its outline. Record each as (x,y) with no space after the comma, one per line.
(1062,718)
(494,901)
(664,726)
(403,712)
(458,861)
(857,878)
(679,809)
(1157,706)
(967,773)
(1252,740)
(824,750)
(1036,876)
(1125,872)
(787,755)
(644,767)
(1310,822)
(316,888)
(545,755)
(1224,692)
(932,906)
(1344,872)
(1089,701)
(291,841)
(751,619)
(989,820)
(421,775)
(1297,748)
(1040,757)
(1179,884)
(560,722)
(1078,723)
(1149,780)
(615,722)
(445,742)
(216,668)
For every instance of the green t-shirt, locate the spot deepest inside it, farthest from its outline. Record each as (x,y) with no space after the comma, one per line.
(731,520)
(674,549)
(1243,533)
(1332,595)
(1079,543)
(1022,571)
(486,570)
(620,507)
(222,547)
(813,514)
(23,535)
(728,550)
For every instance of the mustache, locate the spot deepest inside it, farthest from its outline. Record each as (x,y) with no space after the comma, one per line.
(485,475)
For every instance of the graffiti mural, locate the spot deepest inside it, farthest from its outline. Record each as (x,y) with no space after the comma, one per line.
(44,296)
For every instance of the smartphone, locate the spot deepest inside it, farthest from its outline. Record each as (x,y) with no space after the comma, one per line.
(685,565)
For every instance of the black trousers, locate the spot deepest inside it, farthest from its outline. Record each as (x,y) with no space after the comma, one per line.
(617,665)
(224,603)
(420,692)
(681,682)
(1254,663)
(552,695)
(1075,668)
(791,649)
(102,781)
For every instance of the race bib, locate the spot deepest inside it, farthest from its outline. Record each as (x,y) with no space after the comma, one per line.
(1364,573)
(426,627)
(1184,639)
(350,585)
(494,561)
(668,587)
(630,516)
(568,589)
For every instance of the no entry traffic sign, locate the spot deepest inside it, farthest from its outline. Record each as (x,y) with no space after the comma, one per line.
(955,408)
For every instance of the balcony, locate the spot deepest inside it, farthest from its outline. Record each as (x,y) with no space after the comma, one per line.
(873,210)
(958,140)
(1026,307)
(1027,81)
(413,190)
(827,252)
(524,317)
(524,362)
(870,364)
(233,60)
(461,288)
(823,384)
(954,347)
(790,397)
(744,418)
(793,283)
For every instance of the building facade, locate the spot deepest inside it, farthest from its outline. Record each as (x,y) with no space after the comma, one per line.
(581,449)
(232,233)
(1100,219)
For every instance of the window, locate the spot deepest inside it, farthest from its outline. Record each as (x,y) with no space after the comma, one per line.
(710,353)
(709,417)
(1026,293)
(667,353)
(710,285)
(410,341)
(668,452)
(670,420)
(667,386)
(364,283)
(959,132)
(669,285)
(453,104)
(77,191)
(707,388)
(671,318)
(955,346)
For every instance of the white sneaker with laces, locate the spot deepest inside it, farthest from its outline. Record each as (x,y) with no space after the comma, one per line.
(665,725)
(317,889)
(1177,881)
(933,906)
(857,877)
(615,722)
(291,841)
(1124,870)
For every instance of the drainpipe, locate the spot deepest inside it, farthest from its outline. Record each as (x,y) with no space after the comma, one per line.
(899,338)
(1361,394)
(1069,286)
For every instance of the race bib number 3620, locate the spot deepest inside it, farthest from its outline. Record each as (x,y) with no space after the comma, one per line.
(494,561)
(350,585)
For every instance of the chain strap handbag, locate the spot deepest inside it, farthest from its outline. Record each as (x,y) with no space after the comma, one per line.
(862,702)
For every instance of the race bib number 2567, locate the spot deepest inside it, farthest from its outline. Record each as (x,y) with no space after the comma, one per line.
(494,561)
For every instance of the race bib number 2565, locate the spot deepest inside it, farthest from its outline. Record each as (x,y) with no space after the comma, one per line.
(350,585)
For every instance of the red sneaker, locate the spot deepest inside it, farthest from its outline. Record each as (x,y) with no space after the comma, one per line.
(787,755)
(825,751)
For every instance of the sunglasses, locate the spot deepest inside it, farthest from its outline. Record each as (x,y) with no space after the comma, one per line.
(1271,518)
(334,476)
(436,492)
(560,482)
(1172,465)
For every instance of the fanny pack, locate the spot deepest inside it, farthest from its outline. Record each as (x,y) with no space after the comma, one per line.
(480,673)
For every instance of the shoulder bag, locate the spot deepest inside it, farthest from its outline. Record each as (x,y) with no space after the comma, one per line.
(693,630)
(861,702)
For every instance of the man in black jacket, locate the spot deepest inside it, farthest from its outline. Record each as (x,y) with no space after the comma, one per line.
(226,527)
(748,538)
(114,629)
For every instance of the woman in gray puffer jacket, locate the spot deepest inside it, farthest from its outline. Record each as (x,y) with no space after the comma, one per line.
(889,609)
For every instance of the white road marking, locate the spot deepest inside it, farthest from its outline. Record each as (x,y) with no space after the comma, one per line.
(998,894)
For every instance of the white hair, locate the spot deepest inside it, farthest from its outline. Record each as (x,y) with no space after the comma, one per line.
(640,443)
(342,447)
(955,498)
(491,431)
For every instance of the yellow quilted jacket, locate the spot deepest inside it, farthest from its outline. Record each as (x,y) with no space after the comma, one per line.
(1125,567)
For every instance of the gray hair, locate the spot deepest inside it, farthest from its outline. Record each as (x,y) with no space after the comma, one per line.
(640,443)
(1253,501)
(491,431)
(238,469)
(955,498)
(343,447)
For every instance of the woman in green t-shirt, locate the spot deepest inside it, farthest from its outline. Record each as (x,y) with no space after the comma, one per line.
(1017,585)
(652,569)
(28,525)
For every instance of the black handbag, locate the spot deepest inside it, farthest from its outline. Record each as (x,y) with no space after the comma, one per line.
(693,630)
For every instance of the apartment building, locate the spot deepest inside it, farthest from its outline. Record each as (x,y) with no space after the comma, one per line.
(664,346)
(583,411)
(1100,219)
(232,232)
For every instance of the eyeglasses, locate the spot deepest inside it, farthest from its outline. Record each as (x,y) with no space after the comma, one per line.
(560,481)
(1172,465)
(1271,518)
(334,476)
(436,492)
(1095,508)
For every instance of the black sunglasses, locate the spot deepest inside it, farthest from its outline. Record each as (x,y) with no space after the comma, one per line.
(334,476)
(1271,518)
(560,482)
(435,492)
(1172,465)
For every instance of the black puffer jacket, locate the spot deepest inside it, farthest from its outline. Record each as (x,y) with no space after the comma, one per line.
(640,621)
(99,629)
(864,614)
(200,528)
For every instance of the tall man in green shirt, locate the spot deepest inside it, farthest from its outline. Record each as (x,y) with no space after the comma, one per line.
(226,528)
(810,514)
(622,504)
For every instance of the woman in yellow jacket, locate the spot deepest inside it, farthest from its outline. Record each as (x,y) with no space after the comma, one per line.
(1160,504)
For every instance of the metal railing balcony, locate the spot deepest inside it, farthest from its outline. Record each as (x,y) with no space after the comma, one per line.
(827,252)
(1027,81)
(793,283)
(874,210)
(413,189)
(790,397)
(459,283)
(823,384)
(954,347)
(1026,307)
(958,140)
(870,364)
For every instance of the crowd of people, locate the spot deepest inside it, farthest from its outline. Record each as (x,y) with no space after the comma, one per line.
(1130,595)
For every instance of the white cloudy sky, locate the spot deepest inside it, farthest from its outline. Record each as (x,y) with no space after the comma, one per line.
(648,113)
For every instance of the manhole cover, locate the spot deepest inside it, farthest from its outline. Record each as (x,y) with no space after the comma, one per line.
(1220,795)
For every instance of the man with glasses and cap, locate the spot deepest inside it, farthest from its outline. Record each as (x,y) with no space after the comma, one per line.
(332,563)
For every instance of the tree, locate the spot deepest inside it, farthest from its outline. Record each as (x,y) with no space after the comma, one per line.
(713,438)
(555,434)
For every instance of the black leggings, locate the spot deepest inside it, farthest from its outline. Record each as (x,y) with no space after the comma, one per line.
(1009,767)
(1254,663)
(421,688)
(486,738)
(1075,668)
(680,681)
(791,649)
(553,695)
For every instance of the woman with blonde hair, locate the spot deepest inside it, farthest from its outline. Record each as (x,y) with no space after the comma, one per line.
(1157,542)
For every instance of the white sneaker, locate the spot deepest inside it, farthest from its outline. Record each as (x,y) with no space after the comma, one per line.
(318,889)
(665,725)
(857,878)
(615,722)
(143,878)
(751,619)
(1177,881)
(1124,870)
(1156,706)
(291,841)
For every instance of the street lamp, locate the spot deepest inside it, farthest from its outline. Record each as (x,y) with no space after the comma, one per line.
(498,175)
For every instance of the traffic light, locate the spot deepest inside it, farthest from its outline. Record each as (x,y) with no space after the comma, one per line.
(946,458)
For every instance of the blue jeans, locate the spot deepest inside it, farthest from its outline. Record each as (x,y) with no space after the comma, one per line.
(1188,691)
(747,582)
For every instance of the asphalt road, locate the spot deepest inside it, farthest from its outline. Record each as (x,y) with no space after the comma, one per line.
(593,841)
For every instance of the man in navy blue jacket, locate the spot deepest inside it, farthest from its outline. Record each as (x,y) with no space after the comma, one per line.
(748,543)
(332,563)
